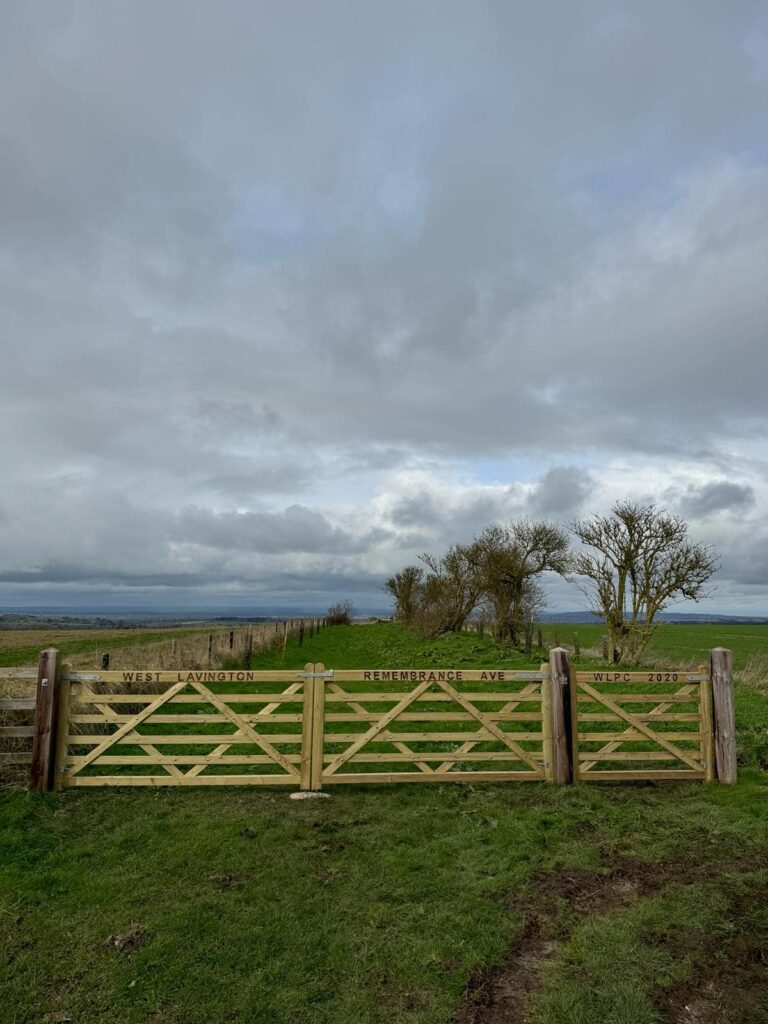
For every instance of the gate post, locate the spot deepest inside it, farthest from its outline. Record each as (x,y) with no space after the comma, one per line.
(318,726)
(723,718)
(312,731)
(306,726)
(561,770)
(61,747)
(46,712)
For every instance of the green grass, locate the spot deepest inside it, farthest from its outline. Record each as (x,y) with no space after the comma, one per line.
(386,644)
(374,906)
(22,647)
(680,643)
(379,904)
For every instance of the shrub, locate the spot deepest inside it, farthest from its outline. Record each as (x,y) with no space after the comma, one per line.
(341,613)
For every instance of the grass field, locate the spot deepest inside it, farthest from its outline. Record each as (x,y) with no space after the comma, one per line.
(677,644)
(470,904)
(22,646)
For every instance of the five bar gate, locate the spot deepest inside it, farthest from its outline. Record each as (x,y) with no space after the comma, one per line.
(320,727)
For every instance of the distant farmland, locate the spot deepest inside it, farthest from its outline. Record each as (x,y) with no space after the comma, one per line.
(681,644)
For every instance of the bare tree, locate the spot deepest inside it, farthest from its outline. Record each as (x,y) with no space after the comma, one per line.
(341,613)
(451,590)
(640,561)
(407,589)
(513,557)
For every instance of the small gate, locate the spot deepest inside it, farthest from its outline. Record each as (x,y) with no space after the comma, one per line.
(641,725)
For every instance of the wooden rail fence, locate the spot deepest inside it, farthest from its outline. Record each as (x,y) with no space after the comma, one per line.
(321,727)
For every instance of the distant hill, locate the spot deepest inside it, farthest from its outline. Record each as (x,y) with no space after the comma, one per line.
(681,618)
(22,620)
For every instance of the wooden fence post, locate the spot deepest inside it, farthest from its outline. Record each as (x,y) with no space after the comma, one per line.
(104,662)
(248,648)
(60,749)
(546,718)
(707,741)
(46,710)
(561,770)
(313,725)
(318,726)
(723,718)
(307,723)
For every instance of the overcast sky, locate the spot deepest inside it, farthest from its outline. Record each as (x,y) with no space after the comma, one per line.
(290,292)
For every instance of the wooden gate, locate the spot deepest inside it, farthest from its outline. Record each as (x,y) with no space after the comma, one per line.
(641,725)
(194,728)
(441,725)
(304,729)
(316,728)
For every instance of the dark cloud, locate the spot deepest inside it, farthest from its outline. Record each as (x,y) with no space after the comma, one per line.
(279,255)
(296,529)
(718,496)
(561,492)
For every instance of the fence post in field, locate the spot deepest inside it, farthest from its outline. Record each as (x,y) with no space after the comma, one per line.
(528,638)
(539,638)
(210,647)
(248,648)
(561,769)
(231,639)
(104,662)
(723,719)
(46,712)
(576,647)
(301,633)
(605,652)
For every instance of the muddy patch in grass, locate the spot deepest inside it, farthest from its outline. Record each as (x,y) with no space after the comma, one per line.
(730,981)
(555,904)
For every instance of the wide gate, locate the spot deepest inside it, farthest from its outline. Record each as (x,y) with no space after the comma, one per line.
(641,725)
(201,728)
(416,725)
(303,729)
(319,727)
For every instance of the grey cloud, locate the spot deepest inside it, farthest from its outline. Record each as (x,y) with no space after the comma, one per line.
(438,518)
(718,496)
(274,253)
(296,529)
(561,492)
